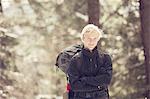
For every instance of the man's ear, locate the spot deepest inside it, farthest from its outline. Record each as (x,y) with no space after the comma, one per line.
(82,38)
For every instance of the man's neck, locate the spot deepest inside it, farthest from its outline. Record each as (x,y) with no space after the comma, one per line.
(89,49)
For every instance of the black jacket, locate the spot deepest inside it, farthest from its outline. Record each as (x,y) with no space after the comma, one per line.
(90,71)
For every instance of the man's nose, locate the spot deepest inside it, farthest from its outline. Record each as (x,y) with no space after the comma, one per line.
(92,40)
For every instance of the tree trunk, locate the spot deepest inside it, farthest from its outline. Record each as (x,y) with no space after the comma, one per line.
(94,12)
(145,34)
(0,6)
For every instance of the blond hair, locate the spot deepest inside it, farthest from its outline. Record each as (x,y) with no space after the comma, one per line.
(90,28)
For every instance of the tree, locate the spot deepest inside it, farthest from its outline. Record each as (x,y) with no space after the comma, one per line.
(145,34)
(94,12)
(0,6)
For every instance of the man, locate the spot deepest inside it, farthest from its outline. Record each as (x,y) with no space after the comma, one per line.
(90,71)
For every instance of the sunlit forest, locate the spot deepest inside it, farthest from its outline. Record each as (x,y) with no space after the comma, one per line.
(34,32)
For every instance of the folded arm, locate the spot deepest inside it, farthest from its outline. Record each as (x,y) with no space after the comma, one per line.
(104,75)
(74,75)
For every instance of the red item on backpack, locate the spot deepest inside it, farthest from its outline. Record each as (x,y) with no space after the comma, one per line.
(68,87)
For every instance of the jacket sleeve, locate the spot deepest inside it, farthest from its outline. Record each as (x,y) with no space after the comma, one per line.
(74,75)
(104,75)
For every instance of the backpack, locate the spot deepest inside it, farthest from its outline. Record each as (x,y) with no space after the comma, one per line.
(62,62)
(64,57)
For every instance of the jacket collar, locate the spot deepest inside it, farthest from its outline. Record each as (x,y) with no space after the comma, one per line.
(88,53)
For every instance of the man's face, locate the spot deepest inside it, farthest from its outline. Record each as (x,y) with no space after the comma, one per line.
(90,40)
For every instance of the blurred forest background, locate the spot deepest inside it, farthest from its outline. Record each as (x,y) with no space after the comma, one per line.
(33,32)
